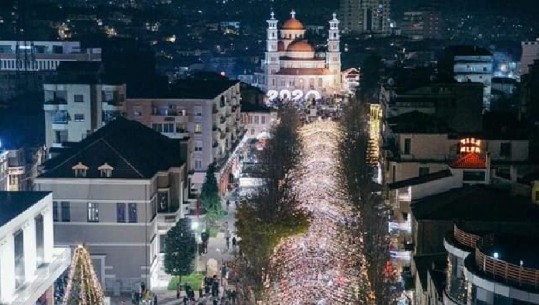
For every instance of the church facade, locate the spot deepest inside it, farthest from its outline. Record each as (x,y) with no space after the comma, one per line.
(292,67)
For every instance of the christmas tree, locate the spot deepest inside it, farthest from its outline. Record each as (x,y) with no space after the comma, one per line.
(83,288)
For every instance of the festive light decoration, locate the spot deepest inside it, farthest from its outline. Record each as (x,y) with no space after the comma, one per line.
(83,288)
(325,265)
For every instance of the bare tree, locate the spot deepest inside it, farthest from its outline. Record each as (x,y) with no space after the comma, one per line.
(356,178)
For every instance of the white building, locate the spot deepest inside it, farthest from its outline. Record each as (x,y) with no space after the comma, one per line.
(29,262)
(293,68)
(4,173)
(42,55)
(473,64)
(257,120)
(74,109)
(530,52)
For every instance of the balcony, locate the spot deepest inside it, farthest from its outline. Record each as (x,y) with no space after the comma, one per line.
(59,125)
(112,105)
(223,120)
(215,144)
(215,110)
(55,104)
(44,277)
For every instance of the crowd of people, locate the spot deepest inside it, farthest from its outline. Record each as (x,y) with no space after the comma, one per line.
(319,267)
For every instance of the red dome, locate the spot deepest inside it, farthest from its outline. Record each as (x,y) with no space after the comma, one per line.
(300,46)
(293,24)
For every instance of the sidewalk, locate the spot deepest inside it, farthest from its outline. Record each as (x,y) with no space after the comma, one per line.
(216,250)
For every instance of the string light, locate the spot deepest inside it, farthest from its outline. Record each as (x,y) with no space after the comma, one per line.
(326,265)
(83,288)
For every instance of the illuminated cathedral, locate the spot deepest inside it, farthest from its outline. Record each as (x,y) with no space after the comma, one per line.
(293,68)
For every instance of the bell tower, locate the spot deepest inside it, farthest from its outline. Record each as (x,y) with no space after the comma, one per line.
(271,63)
(333,54)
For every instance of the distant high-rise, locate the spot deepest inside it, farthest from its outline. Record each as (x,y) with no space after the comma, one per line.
(365,16)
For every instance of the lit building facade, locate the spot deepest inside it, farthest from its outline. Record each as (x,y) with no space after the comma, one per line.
(73,110)
(530,52)
(4,173)
(293,69)
(29,262)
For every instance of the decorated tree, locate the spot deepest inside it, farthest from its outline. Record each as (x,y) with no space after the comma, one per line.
(180,249)
(209,196)
(83,288)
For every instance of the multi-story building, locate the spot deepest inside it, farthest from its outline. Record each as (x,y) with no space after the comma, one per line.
(257,120)
(293,69)
(207,111)
(29,261)
(469,64)
(422,24)
(366,16)
(23,165)
(491,268)
(74,108)
(119,191)
(24,64)
(530,52)
(4,171)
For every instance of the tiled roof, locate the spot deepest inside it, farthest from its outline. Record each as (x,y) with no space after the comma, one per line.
(469,161)
(303,71)
(420,180)
(12,204)
(132,149)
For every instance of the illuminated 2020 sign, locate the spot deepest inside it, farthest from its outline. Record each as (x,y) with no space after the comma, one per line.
(295,95)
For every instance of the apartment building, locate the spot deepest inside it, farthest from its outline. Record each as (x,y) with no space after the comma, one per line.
(366,16)
(4,173)
(469,64)
(530,53)
(35,60)
(77,106)
(119,191)
(207,111)
(29,261)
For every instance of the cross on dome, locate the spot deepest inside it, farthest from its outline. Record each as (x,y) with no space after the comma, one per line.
(272,14)
(334,16)
(293,14)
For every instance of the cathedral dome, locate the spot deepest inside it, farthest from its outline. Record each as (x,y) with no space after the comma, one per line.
(293,24)
(300,46)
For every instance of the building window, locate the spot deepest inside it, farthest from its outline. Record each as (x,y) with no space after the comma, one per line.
(80,170)
(93,212)
(168,127)
(263,120)
(137,111)
(18,239)
(66,212)
(78,98)
(40,241)
(157,127)
(198,128)
(423,170)
(505,149)
(55,211)
(198,145)
(252,131)
(162,199)
(407,146)
(256,119)
(78,117)
(198,164)
(105,170)
(132,212)
(198,110)
(120,212)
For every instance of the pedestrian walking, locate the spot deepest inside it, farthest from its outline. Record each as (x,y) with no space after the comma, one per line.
(227,205)
(234,242)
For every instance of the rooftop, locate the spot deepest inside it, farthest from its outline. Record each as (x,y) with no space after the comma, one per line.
(194,89)
(132,149)
(13,204)
(417,122)
(476,202)
(420,180)
(469,161)
(515,248)
(467,50)
(251,107)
